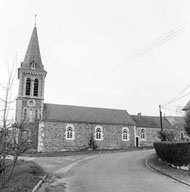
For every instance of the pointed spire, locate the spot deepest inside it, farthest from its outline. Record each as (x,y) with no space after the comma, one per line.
(32,58)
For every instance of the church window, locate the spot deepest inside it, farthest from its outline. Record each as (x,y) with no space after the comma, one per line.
(142,133)
(182,135)
(33,65)
(36,87)
(36,115)
(31,116)
(125,134)
(98,133)
(28,85)
(70,134)
(25,114)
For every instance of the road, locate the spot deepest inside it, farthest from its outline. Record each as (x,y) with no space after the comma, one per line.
(116,172)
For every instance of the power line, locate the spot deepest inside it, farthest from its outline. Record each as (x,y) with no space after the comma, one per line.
(174,99)
(156,43)
(180,98)
(171,110)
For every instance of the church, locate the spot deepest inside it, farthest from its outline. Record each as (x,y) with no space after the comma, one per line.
(55,127)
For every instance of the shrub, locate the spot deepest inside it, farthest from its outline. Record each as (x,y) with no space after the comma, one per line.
(176,154)
(187,123)
(166,135)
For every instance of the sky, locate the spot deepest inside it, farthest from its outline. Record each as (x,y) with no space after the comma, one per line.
(120,54)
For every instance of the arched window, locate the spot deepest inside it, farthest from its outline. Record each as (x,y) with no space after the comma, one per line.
(70,134)
(25,114)
(182,135)
(98,133)
(28,85)
(125,134)
(142,133)
(36,115)
(36,87)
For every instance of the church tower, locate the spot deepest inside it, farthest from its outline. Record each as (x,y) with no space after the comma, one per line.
(31,75)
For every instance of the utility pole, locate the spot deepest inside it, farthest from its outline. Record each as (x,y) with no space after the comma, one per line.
(161,125)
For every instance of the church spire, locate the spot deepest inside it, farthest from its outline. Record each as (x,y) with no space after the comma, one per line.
(32,58)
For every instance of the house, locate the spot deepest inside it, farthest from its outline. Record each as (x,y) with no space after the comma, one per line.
(55,127)
(147,127)
(178,123)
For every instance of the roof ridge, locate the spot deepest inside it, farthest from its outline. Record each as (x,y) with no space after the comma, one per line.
(84,106)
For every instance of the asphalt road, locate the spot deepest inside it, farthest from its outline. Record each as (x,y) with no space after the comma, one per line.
(117,172)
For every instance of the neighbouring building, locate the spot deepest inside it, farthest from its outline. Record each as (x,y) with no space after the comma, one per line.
(178,124)
(147,128)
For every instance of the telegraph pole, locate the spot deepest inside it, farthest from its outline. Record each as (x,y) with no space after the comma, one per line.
(161,125)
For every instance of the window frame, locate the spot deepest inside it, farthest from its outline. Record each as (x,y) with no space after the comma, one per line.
(28,85)
(25,114)
(36,87)
(72,132)
(100,136)
(144,134)
(182,133)
(123,135)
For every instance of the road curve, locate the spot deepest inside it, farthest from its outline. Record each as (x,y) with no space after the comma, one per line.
(119,172)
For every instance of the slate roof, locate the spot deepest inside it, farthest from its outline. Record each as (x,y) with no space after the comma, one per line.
(150,121)
(176,121)
(67,113)
(33,53)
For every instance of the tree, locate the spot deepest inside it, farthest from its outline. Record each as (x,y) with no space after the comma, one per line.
(14,136)
(187,123)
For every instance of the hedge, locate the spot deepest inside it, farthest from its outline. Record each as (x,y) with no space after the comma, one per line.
(176,154)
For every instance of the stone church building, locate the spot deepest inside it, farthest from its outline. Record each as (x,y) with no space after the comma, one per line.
(54,127)
(61,127)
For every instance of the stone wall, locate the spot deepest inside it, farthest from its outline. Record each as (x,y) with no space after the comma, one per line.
(52,137)
(151,135)
(33,129)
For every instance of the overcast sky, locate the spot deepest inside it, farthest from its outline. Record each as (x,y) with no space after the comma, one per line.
(123,54)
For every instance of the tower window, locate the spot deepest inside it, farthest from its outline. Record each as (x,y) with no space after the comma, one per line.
(36,87)
(33,65)
(28,85)
(25,114)
(36,115)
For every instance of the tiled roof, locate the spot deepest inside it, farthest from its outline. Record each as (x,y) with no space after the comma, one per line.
(67,113)
(150,121)
(176,121)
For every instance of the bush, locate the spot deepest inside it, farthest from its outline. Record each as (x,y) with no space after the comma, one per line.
(176,154)
(166,135)
(187,123)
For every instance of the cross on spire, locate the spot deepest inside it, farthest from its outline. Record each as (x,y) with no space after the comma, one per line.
(35,20)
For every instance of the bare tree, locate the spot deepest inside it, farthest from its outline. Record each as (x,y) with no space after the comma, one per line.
(13,136)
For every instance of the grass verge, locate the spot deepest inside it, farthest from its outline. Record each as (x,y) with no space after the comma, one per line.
(178,174)
(82,152)
(25,176)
